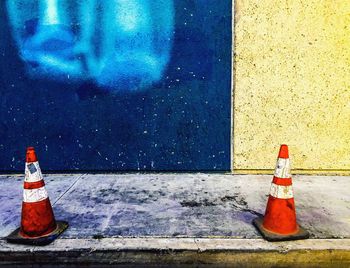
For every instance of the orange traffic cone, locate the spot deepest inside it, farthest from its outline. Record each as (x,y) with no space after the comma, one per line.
(279,222)
(38,224)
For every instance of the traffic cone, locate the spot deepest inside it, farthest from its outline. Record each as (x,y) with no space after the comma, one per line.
(38,224)
(279,222)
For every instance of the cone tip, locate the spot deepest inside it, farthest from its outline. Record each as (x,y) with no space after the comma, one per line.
(31,155)
(283,151)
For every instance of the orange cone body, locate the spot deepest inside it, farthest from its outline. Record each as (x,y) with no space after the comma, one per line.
(37,215)
(280,214)
(279,222)
(38,224)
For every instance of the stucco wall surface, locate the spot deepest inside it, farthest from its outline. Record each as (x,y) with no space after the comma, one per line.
(292,79)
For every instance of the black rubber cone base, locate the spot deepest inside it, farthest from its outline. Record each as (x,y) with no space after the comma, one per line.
(273,237)
(16,238)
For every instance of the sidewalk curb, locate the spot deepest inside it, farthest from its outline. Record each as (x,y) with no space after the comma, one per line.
(189,251)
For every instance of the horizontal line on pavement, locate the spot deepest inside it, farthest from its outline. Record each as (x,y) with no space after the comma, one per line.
(181,244)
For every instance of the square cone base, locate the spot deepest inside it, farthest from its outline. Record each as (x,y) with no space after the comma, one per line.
(16,238)
(273,237)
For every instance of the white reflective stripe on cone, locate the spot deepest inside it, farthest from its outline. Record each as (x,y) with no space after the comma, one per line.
(34,195)
(281,192)
(282,168)
(33,172)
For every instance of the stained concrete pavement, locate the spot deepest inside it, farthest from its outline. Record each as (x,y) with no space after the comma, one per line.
(113,208)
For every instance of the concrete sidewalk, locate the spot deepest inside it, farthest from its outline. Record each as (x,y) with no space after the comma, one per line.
(141,215)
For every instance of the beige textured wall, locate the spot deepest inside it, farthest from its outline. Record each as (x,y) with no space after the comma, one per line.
(292,83)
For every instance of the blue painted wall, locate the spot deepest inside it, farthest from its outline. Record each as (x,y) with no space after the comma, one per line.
(116,85)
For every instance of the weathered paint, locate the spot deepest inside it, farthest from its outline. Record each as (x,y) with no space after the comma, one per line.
(292,84)
(280,191)
(34,195)
(282,169)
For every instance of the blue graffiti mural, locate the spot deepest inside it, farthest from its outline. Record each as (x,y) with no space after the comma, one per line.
(117,44)
(116,85)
